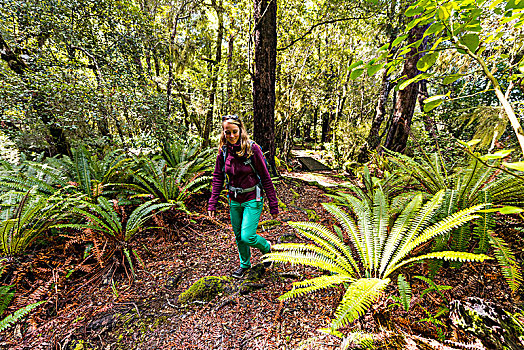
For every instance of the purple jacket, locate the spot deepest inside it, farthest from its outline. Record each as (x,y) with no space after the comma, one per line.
(241,175)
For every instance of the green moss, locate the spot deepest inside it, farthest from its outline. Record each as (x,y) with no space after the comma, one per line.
(205,289)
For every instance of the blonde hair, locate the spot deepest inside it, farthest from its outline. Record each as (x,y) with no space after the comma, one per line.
(245,144)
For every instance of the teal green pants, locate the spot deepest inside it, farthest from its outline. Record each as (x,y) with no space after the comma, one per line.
(244,219)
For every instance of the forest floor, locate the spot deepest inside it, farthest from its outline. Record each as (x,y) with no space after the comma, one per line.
(109,311)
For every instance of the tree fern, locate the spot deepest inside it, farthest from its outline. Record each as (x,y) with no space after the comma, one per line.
(377,254)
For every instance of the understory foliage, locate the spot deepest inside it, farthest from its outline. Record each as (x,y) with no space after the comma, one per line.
(480,182)
(381,246)
(108,222)
(24,218)
(36,194)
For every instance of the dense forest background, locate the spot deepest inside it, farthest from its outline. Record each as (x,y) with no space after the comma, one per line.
(111,111)
(106,73)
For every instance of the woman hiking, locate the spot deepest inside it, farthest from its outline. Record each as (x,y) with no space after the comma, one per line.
(241,163)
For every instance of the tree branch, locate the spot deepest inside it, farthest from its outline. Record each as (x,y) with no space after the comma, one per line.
(310,30)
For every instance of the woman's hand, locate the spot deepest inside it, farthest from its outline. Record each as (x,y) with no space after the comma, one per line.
(211,213)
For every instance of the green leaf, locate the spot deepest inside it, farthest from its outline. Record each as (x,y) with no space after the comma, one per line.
(494,4)
(432,105)
(427,61)
(414,10)
(383,47)
(452,78)
(471,41)
(355,64)
(473,142)
(497,155)
(515,166)
(435,98)
(417,78)
(375,68)
(399,40)
(444,12)
(356,73)
(508,209)
(434,28)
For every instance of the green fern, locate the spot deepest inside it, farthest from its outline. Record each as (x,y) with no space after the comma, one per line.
(103,219)
(6,295)
(506,259)
(476,184)
(170,185)
(405,291)
(381,248)
(18,315)
(24,218)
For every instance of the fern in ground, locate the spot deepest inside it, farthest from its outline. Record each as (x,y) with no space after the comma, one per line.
(24,218)
(405,291)
(380,247)
(465,187)
(109,223)
(170,185)
(18,315)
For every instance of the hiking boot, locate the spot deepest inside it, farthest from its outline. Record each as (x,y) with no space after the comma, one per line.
(267,264)
(239,273)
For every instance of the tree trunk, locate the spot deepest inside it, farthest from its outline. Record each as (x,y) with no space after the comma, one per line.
(398,132)
(373,139)
(214,67)
(326,127)
(265,18)
(230,73)
(315,123)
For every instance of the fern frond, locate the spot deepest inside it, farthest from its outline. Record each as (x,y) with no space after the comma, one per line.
(443,226)
(357,299)
(6,296)
(17,315)
(328,240)
(308,258)
(506,259)
(349,227)
(380,224)
(399,228)
(363,213)
(314,284)
(445,255)
(405,291)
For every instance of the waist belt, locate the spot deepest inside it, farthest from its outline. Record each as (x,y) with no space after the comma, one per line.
(237,190)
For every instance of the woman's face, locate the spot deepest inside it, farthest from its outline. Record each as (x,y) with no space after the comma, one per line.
(232,132)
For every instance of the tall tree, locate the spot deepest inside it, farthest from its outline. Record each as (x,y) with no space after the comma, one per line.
(214,67)
(265,18)
(399,129)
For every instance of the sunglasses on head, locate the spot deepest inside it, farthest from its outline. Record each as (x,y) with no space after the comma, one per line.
(230,117)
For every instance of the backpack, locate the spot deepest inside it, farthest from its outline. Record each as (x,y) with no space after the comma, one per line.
(249,161)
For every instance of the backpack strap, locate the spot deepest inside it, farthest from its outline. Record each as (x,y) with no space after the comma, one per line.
(224,155)
(249,161)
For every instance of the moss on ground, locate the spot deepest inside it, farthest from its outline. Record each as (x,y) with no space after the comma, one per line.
(206,289)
